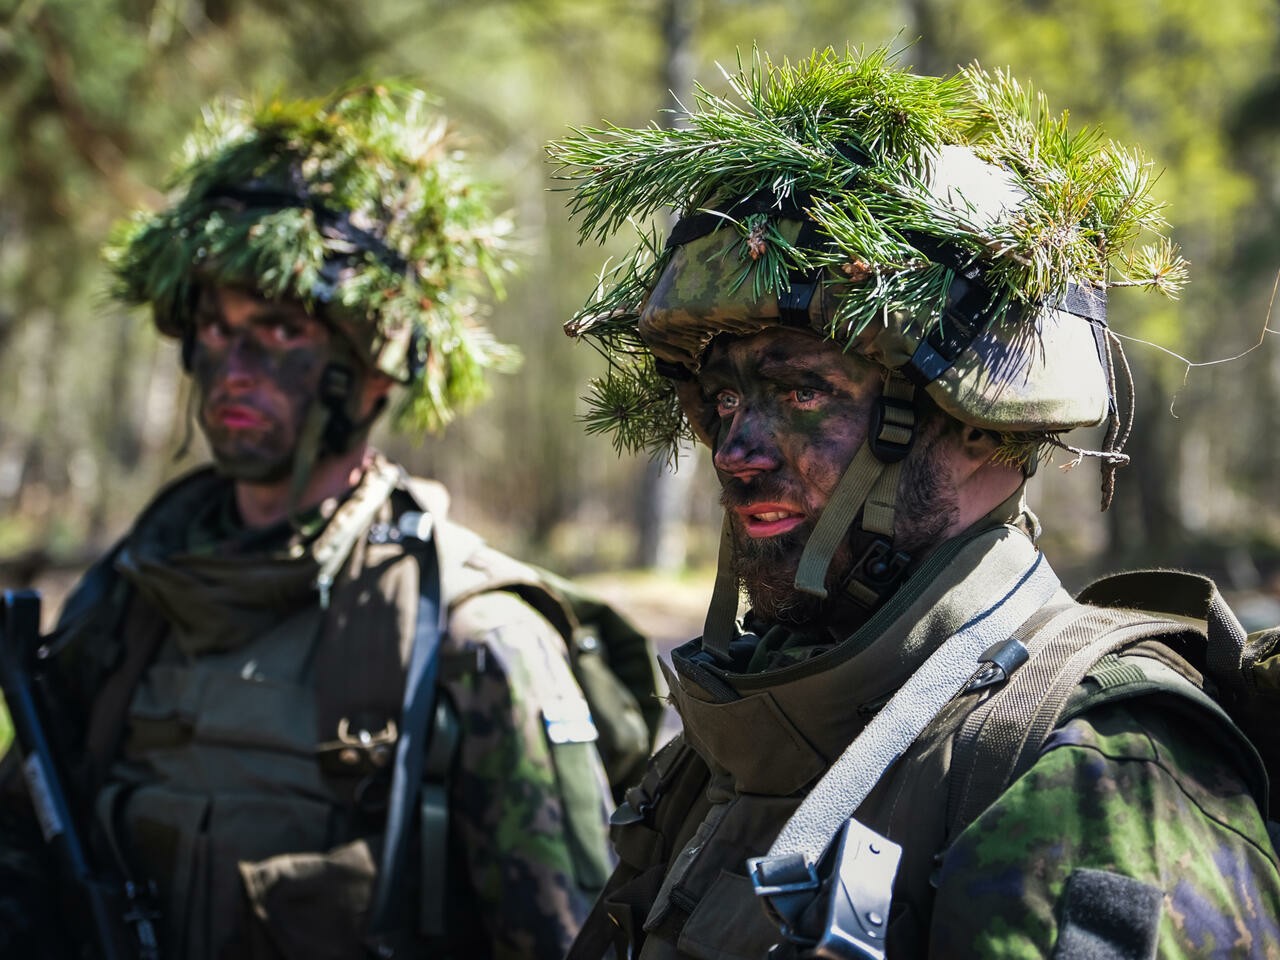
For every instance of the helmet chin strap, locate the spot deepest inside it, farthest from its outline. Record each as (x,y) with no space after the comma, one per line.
(330,426)
(870,485)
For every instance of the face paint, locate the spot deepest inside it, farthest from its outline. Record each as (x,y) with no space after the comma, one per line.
(791,410)
(257,366)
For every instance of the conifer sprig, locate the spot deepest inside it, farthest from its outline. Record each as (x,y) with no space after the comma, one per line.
(853,139)
(360,207)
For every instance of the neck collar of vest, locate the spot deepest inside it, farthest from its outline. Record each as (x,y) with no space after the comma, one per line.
(217,594)
(774,731)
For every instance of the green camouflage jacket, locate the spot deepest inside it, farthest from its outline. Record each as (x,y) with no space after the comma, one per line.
(1138,816)
(246,773)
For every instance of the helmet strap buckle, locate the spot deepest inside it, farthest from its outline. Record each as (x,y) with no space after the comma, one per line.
(876,574)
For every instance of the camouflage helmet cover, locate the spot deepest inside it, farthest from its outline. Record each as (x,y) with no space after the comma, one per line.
(1046,372)
(910,205)
(359,207)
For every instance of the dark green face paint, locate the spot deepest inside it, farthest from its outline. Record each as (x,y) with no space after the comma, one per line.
(257,367)
(790,411)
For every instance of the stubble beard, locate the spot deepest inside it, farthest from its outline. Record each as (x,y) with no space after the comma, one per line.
(766,568)
(262,457)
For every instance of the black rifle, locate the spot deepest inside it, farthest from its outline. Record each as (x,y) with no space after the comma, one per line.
(119,911)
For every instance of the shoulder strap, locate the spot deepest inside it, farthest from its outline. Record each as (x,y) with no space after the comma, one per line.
(1002,737)
(389,910)
(835,797)
(1180,594)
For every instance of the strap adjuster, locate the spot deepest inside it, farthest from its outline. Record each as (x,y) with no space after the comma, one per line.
(891,412)
(791,873)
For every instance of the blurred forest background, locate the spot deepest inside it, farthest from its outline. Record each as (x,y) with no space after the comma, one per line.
(96,95)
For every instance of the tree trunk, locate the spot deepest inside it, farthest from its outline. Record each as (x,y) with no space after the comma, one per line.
(662,510)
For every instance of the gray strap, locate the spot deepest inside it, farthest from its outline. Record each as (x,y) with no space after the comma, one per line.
(891,731)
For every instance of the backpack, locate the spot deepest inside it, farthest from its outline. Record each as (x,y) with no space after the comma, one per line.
(1219,669)
(614,664)
(1147,633)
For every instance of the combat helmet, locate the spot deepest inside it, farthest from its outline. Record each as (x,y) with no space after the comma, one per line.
(949,229)
(358,206)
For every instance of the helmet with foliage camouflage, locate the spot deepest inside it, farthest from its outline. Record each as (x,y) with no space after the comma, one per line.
(949,229)
(952,230)
(357,206)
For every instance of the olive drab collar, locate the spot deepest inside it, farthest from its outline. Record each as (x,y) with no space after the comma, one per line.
(216,592)
(766,737)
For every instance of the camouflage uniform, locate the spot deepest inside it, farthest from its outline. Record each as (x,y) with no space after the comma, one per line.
(230,692)
(1140,789)
(261,843)
(788,294)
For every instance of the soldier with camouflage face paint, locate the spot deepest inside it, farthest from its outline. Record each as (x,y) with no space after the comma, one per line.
(233,672)
(885,298)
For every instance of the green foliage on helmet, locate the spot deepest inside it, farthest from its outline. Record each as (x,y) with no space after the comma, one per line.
(878,162)
(360,207)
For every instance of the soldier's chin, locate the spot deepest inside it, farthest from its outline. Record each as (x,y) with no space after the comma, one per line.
(253,468)
(766,568)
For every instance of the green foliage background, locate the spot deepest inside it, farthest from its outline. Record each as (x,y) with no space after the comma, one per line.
(95,96)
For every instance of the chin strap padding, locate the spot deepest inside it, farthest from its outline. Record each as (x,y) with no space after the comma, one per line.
(870,482)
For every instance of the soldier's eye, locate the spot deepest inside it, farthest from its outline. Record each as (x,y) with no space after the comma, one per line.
(726,402)
(211,331)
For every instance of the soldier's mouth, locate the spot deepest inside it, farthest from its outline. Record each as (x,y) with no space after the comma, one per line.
(768,519)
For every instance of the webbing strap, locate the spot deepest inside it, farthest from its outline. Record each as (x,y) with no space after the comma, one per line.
(719,628)
(387,919)
(1182,594)
(836,518)
(895,429)
(882,501)
(891,731)
(350,523)
(1001,739)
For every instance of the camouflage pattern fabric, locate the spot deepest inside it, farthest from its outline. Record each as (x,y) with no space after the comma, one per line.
(1130,790)
(508,807)
(527,847)
(1147,795)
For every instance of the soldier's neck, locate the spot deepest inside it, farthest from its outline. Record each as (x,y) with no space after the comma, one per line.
(264,505)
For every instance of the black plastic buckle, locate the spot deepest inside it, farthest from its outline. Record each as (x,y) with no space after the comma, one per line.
(792,873)
(880,566)
(886,451)
(336,381)
(998,661)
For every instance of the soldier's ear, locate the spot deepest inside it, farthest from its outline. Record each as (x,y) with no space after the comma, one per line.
(700,414)
(977,445)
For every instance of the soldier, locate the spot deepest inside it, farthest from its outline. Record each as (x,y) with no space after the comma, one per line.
(246,678)
(884,299)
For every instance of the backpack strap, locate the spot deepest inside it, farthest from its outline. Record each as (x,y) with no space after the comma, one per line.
(1177,593)
(1001,739)
(612,662)
(388,920)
